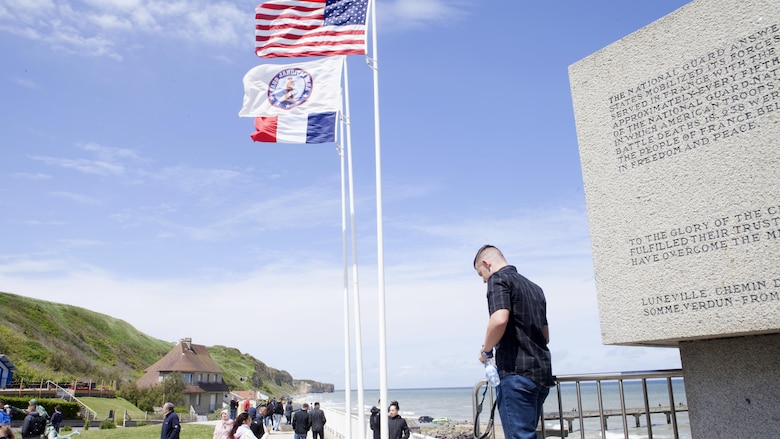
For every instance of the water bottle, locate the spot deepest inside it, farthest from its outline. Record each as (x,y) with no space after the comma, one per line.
(491,372)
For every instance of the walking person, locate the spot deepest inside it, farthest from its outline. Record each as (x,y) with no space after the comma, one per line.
(170,427)
(517,330)
(56,418)
(257,426)
(39,408)
(34,424)
(301,422)
(241,427)
(233,408)
(317,421)
(288,410)
(268,419)
(374,420)
(396,425)
(224,425)
(5,414)
(278,413)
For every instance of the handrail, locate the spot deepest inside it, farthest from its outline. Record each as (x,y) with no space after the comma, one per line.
(73,397)
(620,377)
(475,402)
(602,414)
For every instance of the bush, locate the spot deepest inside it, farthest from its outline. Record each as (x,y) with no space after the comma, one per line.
(107,425)
(70,410)
(66,428)
(86,424)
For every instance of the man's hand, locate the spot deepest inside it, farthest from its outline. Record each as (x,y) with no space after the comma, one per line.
(484,355)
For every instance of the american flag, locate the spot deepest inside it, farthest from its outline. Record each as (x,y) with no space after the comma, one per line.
(297,28)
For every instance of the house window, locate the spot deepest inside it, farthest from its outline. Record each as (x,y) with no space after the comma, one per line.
(197,399)
(188,378)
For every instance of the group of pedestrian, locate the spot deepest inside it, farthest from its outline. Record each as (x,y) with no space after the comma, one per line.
(274,413)
(37,422)
(255,424)
(304,420)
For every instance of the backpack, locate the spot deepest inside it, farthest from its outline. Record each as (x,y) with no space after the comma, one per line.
(38,425)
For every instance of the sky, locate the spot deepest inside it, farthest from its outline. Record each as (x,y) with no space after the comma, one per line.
(129,185)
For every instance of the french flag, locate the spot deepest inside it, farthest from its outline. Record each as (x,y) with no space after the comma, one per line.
(307,128)
(294,102)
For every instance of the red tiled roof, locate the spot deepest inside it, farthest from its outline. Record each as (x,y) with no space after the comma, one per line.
(185,357)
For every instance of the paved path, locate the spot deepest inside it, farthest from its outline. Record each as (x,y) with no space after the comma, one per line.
(280,435)
(272,435)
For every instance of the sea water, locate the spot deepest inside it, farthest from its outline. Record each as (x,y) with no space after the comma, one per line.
(456,404)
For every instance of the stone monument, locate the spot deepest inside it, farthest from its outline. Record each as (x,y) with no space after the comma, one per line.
(679,134)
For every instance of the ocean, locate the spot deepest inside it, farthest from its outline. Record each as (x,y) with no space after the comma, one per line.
(456,404)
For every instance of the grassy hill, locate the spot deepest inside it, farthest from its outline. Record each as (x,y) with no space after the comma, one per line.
(47,340)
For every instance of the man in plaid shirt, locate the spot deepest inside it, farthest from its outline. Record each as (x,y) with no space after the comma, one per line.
(518,331)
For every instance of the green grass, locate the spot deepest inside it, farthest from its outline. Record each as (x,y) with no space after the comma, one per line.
(118,405)
(188,431)
(48,340)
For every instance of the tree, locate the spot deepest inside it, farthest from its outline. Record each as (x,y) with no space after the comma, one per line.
(171,389)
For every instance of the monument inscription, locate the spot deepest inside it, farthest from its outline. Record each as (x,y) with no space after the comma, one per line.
(711,234)
(678,127)
(712,97)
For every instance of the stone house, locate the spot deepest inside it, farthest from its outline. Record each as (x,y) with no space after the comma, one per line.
(205,388)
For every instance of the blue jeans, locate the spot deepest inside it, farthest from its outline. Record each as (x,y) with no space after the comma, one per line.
(277,420)
(520,403)
(300,436)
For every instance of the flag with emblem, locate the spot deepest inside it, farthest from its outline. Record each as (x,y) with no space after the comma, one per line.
(298,28)
(294,103)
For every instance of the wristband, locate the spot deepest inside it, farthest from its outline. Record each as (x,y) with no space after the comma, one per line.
(487,354)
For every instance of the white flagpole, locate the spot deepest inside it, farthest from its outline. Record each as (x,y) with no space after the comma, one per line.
(379,234)
(347,371)
(355,286)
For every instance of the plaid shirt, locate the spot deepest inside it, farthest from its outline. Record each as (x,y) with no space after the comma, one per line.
(523,347)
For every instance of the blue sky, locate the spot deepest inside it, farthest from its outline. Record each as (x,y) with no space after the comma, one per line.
(129,185)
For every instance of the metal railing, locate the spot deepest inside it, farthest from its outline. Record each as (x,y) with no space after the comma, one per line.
(63,393)
(565,420)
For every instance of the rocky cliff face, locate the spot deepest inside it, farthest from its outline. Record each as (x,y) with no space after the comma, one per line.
(309,386)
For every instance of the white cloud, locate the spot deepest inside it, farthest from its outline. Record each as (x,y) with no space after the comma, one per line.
(28,83)
(109,153)
(29,176)
(401,14)
(103,27)
(79,198)
(99,28)
(115,5)
(109,160)
(110,22)
(83,165)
